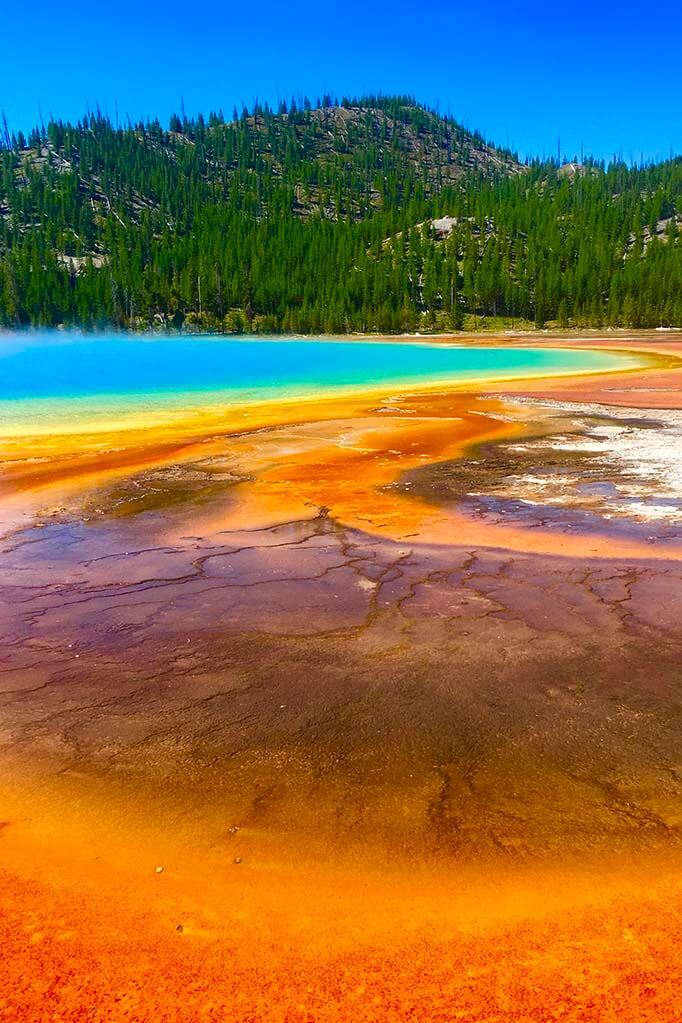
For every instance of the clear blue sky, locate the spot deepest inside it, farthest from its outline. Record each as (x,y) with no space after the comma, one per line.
(603,73)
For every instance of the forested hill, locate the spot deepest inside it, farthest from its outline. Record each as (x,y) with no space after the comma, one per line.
(372,214)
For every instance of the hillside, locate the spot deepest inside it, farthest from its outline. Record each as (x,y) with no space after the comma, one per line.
(375,214)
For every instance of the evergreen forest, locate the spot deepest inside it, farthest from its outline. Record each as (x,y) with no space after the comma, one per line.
(372,214)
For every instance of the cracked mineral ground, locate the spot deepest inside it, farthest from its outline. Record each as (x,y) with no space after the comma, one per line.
(367,713)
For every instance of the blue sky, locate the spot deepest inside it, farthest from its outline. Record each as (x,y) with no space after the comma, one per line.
(604,75)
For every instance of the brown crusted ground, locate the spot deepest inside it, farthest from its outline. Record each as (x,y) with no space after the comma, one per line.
(387,776)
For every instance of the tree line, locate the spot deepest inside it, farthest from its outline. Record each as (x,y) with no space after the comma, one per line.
(320,219)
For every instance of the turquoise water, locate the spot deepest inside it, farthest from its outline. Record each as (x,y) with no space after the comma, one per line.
(61,375)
